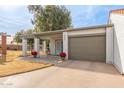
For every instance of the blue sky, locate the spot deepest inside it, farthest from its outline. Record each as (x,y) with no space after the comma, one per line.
(15,18)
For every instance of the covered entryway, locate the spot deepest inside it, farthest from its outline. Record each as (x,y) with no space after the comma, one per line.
(91,48)
(58,46)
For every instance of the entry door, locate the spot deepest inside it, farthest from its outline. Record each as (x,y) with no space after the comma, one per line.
(58,46)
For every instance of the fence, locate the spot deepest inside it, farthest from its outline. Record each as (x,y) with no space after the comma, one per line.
(14,47)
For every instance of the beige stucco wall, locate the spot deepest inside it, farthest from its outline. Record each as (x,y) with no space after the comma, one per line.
(87,32)
(66,35)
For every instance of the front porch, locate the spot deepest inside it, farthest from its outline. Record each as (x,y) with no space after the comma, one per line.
(43,58)
(51,44)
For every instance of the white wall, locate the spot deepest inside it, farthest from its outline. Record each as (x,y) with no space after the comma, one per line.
(109,45)
(65,43)
(10,39)
(118,21)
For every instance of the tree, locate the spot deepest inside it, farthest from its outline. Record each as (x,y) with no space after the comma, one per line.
(30,40)
(50,17)
(17,38)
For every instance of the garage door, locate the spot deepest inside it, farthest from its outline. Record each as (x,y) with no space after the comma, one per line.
(90,48)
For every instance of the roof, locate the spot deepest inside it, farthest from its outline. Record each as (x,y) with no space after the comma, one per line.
(68,30)
(73,29)
(118,11)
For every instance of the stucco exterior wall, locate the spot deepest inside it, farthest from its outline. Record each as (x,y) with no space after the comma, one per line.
(66,35)
(109,45)
(24,47)
(65,43)
(86,32)
(118,21)
(37,45)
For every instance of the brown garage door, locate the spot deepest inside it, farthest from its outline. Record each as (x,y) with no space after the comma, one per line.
(90,48)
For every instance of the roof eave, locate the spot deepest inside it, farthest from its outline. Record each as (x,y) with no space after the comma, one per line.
(67,30)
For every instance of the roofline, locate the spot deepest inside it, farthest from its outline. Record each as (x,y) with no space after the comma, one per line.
(68,30)
(91,27)
(113,12)
(74,29)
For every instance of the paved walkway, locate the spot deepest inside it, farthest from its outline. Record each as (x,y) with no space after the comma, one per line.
(67,74)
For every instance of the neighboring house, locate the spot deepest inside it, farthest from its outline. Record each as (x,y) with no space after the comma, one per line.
(11,45)
(101,43)
(9,39)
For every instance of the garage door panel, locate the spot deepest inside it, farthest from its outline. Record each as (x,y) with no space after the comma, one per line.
(87,48)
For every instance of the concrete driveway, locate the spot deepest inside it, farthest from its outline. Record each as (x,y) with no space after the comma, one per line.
(68,74)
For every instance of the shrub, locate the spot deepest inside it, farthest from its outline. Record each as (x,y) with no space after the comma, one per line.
(62,54)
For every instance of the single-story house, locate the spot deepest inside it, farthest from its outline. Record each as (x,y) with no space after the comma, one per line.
(101,43)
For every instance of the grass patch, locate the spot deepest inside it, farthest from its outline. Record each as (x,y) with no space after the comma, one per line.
(19,66)
(11,55)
